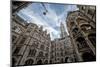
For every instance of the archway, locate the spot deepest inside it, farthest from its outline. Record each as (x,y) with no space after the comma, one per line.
(39,62)
(66,59)
(46,62)
(29,62)
(50,61)
(88,57)
(81,43)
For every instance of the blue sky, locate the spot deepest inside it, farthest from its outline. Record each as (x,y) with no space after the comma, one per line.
(56,15)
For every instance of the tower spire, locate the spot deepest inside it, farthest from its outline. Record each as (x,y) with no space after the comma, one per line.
(63,31)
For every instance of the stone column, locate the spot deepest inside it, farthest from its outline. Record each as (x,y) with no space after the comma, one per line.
(90,45)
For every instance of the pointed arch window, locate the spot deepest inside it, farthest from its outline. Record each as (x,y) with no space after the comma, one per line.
(29,62)
(32,52)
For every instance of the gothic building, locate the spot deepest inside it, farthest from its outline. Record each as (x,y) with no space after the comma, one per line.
(61,48)
(33,46)
(63,31)
(30,44)
(81,25)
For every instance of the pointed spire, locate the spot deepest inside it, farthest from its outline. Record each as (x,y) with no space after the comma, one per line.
(63,30)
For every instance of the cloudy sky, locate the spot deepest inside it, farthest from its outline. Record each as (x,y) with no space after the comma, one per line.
(56,15)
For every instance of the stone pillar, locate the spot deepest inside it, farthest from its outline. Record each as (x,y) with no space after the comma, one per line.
(76,51)
(91,45)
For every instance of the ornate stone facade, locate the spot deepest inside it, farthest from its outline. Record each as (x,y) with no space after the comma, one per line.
(61,48)
(81,26)
(31,45)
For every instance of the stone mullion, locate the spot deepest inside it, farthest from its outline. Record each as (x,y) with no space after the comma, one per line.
(76,48)
(87,41)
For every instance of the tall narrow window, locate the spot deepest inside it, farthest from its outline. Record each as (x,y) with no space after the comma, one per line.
(35,44)
(40,54)
(42,47)
(32,52)
(13,38)
(81,42)
(17,50)
(47,49)
(46,54)
(23,40)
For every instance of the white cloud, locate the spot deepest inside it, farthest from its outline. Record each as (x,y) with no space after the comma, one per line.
(51,20)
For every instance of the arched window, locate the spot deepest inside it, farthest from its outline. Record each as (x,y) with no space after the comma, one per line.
(46,62)
(58,54)
(51,61)
(47,49)
(86,27)
(74,31)
(42,47)
(81,42)
(35,44)
(29,62)
(14,27)
(62,54)
(17,50)
(13,38)
(40,54)
(72,24)
(90,12)
(46,54)
(39,62)
(23,40)
(79,46)
(92,38)
(32,52)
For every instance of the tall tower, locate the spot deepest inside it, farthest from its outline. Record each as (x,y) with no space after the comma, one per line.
(63,31)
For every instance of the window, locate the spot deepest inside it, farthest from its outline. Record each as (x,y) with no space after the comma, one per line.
(75,30)
(35,44)
(91,12)
(47,49)
(32,52)
(81,42)
(14,28)
(29,30)
(52,56)
(62,54)
(17,50)
(86,27)
(71,24)
(42,47)
(46,62)
(23,40)
(29,62)
(83,7)
(13,38)
(40,54)
(46,54)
